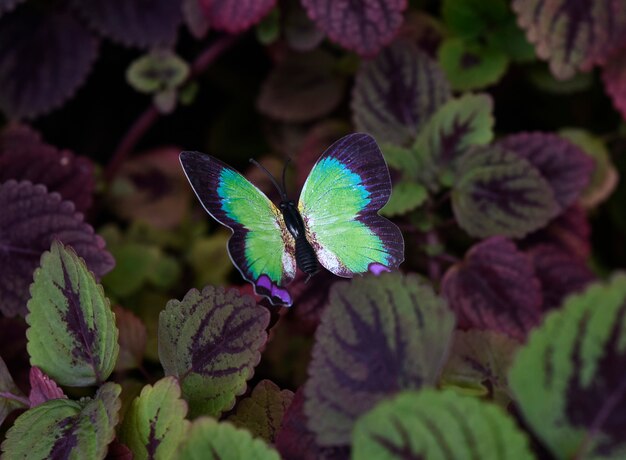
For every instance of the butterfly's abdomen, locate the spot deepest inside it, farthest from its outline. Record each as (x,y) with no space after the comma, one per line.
(305,256)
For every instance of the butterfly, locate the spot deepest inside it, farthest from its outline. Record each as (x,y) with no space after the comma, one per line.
(335,222)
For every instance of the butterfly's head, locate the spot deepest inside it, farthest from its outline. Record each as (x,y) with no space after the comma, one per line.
(287,204)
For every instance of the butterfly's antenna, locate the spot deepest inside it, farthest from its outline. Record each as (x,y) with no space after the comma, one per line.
(285,172)
(281,191)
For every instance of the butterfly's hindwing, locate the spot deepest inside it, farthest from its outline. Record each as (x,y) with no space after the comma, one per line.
(339,204)
(261,247)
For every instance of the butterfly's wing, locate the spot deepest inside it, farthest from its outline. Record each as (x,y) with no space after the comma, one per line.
(339,204)
(261,247)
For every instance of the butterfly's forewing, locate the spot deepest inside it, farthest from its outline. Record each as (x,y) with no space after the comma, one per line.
(339,203)
(261,247)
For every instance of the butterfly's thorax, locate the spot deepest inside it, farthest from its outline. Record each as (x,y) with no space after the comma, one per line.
(305,255)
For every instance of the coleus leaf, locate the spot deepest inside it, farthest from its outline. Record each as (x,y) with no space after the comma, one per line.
(61,51)
(211,340)
(132,339)
(235,15)
(155,424)
(13,345)
(268,30)
(614,78)
(572,35)
(30,220)
(300,32)
(479,362)
(563,164)
(568,379)
(42,388)
(301,88)
(364,26)
(496,192)
(140,23)
(24,156)
(378,335)
(395,94)
(156,71)
(262,412)
(72,335)
(311,298)
(194,19)
(211,440)
(495,288)
(62,428)
(8,5)
(456,126)
(437,424)
(8,388)
(406,196)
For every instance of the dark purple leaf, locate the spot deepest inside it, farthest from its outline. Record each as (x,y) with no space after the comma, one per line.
(301,88)
(294,440)
(424,30)
(42,388)
(311,298)
(494,288)
(9,388)
(8,5)
(378,335)
(118,451)
(614,76)
(31,219)
(364,26)
(194,18)
(44,58)
(141,23)
(559,273)
(564,165)
(395,94)
(301,34)
(24,156)
(572,34)
(235,15)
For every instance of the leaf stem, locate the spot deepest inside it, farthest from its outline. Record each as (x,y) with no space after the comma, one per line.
(145,121)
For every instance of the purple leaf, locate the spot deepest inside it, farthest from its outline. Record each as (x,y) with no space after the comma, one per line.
(140,23)
(194,19)
(8,5)
(395,94)
(364,26)
(24,156)
(31,219)
(559,273)
(614,77)
(301,88)
(494,288)
(44,58)
(572,34)
(311,298)
(118,451)
(301,34)
(294,440)
(9,388)
(42,388)
(564,165)
(378,335)
(235,15)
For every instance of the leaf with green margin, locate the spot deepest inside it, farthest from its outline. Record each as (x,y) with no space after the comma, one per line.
(262,412)
(569,379)
(72,335)
(132,339)
(497,192)
(456,126)
(479,361)
(604,177)
(211,340)
(401,159)
(156,71)
(396,93)
(8,387)
(208,439)
(438,425)
(470,65)
(155,424)
(405,197)
(210,248)
(378,335)
(62,428)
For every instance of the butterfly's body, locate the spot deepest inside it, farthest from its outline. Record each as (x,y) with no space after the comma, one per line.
(335,222)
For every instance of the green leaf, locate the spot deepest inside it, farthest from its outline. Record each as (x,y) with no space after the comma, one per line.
(210,249)
(155,424)
(72,335)
(156,71)
(268,30)
(262,412)
(456,126)
(500,193)
(569,379)
(62,428)
(132,339)
(8,388)
(470,65)
(400,158)
(209,440)
(211,340)
(405,197)
(480,361)
(436,425)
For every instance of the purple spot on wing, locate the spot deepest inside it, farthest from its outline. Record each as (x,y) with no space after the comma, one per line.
(282,295)
(377,268)
(265,283)
(277,295)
